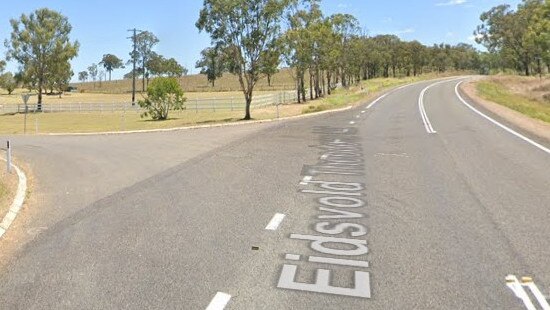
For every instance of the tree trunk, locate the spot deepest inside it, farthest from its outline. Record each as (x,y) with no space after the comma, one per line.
(248,98)
(329,89)
(269,80)
(110,75)
(310,85)
(39,103)
(324,90)
(298,89)
(303,86)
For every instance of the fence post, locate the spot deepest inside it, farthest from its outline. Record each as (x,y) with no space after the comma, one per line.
(8,157)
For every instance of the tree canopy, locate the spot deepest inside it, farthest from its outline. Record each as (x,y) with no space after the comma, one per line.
(245,30)
(40,43)
(111,62)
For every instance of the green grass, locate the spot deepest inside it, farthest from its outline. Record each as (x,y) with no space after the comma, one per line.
(498,93)
(341,97)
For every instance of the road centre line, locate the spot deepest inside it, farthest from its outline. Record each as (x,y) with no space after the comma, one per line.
(275,221)
(422,109)
(352,123)
(306,180)
(519,290)
(509,130)
(219,302)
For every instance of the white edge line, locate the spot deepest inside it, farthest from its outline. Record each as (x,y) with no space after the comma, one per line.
(538,295)
(376,101)
(219,302)
(515,133)
(275,221)
(519,291)
(422,108)
(17,202)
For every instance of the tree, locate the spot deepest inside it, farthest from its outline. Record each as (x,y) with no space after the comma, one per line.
(211,64)
(60,80)
(40,42)
(8,82)
(245,30)
(111,62)
(83,76)
(145,41)
(2,66)
(163,95)
(507,32)
(160,66)
(93,71)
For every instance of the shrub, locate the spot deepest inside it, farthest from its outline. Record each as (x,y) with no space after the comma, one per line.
(163,95)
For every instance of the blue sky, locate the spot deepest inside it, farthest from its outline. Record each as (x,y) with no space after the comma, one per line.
(100,25)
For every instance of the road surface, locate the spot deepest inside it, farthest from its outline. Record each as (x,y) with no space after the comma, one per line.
(405,205)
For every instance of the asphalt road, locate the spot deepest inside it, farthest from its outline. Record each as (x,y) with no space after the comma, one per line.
(380,213)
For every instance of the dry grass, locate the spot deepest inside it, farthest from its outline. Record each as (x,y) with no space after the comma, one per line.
(8,186)
(196,83)
(119,121)
(73,98)
(529,87)
(527,95)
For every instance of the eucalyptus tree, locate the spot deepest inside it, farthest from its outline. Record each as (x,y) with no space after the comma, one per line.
(40,43)
(507,32)
(212,64)
(111,62)
(93,71)
(245,30)
(8,82)
(83,76)
(145,41)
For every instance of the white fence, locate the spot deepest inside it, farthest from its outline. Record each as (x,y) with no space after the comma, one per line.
(196,104)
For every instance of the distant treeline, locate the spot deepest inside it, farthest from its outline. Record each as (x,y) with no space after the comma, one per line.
(516,39)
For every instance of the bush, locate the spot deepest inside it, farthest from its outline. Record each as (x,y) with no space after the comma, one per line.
(163,95)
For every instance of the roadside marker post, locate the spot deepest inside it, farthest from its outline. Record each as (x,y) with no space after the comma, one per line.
(8,157)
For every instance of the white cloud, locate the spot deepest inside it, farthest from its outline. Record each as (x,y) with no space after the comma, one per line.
(451,2)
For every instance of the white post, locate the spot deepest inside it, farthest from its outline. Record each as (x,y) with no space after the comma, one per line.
(8,157)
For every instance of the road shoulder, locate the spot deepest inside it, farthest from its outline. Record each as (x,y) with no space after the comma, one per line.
(18,200)
(532,126)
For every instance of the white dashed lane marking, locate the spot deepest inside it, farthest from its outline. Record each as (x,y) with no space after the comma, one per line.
(219,302)
(275,221)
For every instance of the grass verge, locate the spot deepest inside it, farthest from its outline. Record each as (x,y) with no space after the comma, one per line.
(8,186)
(500,93)
(118,121)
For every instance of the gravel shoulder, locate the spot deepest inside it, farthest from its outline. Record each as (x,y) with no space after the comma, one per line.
(532,126)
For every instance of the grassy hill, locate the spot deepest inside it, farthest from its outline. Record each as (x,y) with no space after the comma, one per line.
(194,83)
